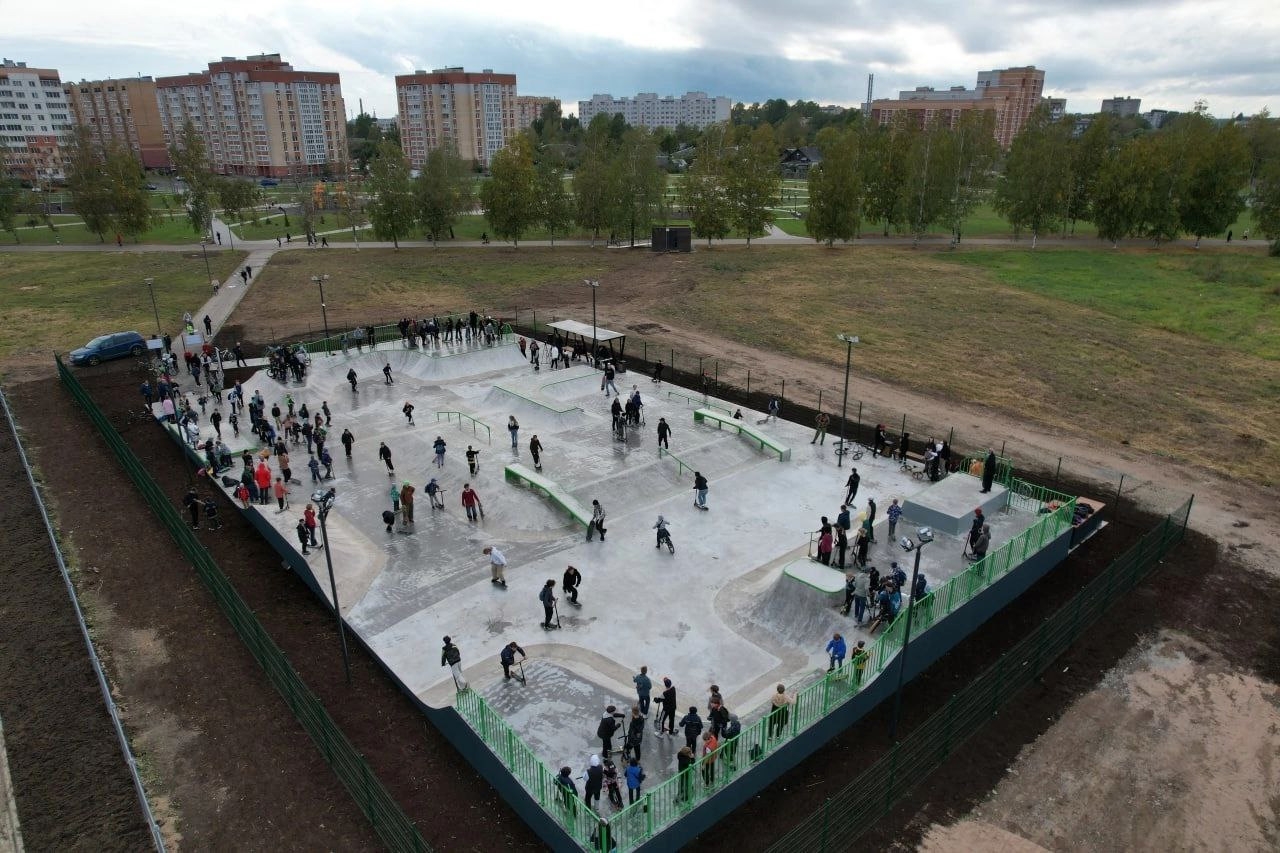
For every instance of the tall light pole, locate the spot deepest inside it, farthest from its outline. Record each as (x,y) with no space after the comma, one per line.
(594,284)
(204,251)
(923,537)
(849,340)
(150,283)
(320,280)
(324,500)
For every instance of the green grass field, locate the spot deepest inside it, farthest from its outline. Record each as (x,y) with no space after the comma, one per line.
(1174,351)
(167,231)
(58,301)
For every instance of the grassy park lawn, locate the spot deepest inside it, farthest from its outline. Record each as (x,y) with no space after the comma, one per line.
(58,301)
(1173,350)
(170,231)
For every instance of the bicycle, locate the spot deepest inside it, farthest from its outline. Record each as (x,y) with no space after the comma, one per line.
(855,451)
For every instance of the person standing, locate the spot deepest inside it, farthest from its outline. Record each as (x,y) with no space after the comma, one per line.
(314,465)
(608,727)
(594,782)
(664,433)
(384,453)
(699,490)
(729,740)
(238,352)
(643,688)
(893,513)
(780,704)
(821,422)
(395,497)
(508,657)
(451,656)
(635,735)
(328,415)
(871,519)
(309,516)
(635,777)
(851,486)
(859,661)
(657,371)
(513,427)
(836,650)
(386,374)
(470,501)
(282,495)
(303,535)
(407,409)
(497,565)
(691,725)
(684,761)
(351,377)
(406,503)
(262,476)
(861,588)
(548,598)
(347,440)
(597,521)
(439,446)
(571,581)
(608,380)
(988,471)
(824,545)
(473,460)
(192,502)
(535,450)
(709,746)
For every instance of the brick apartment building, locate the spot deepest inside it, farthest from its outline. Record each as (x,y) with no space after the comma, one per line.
(259,116)
(529,107)
(1010,93)
(123,111)
(475,111)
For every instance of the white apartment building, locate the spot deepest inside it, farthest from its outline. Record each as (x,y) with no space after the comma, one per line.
(475,112)
(34,122)
(648,110)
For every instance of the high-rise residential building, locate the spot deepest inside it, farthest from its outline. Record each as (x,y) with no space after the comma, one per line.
(529,107)
(1156,118)
(1057,108)
(1125,107)
(259,116)
(1010,93)
(474,112)
(34,122)
(123,111)
(648,110)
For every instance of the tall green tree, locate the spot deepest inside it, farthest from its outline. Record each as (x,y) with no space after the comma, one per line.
(235,195)
(975,150)
(1217,170)
(702,191)
(930,180)
(88,182)
(130,201)
(1263,136)
(10,197)
(1032,193)
(391,204)
(1266,200)
(554,201)
(753,182)
(443,191)
(1088,153)
(191,162)
(639,182)
(1161,182)
(594,192)
(835,188)
(510,196)
(886,150)
(1118,193)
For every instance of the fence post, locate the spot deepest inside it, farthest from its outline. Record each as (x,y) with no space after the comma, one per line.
(1058,474)
(857,432)
(1119,489)
(717,370)
(819,401)
(645,344)
(748,381)
(1002,444)
(784,393)
(903,431)
(699,367)
(673,359)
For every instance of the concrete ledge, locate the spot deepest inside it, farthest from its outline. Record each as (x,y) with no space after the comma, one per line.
(516,472)
(743,428)
(814,574)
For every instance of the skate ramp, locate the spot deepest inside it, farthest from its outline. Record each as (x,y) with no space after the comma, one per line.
(948,505)
(799,612)
(534,412)
(572,384)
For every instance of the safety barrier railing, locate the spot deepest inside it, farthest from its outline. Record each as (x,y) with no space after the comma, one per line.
(1034,498)
(475,424)
(974,463)
(383,812)
(662,451)
(381,335)
(852,810)
(699,401)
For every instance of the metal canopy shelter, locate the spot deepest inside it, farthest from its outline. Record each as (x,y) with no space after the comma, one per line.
(573,331)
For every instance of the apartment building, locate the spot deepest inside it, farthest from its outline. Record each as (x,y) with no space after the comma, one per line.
(473,111)
(35,121)
(1010,93)
(123,111)
(529,107)
(1122,107)
(259,116)
(648,110)
(1057,108)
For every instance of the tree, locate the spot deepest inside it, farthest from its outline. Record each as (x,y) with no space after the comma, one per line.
(1161,181)
(885,151)
(1266,201)
(1032,194)
(593,188)
(1117,195)
(1217,173)
(235,195)
(554,203)
(510,196)
(10,196)
(702,191)
(975,152)
(88,182)
(930,179)
(130,200)
(639,183)
(192,165)
(391,204)
(1088,154)
(753,182)
(443,191)
(835,188)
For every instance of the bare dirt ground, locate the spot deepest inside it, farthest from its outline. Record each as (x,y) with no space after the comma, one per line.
(1175,750)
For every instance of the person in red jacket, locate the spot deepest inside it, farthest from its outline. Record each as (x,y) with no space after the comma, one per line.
(309,516)
(470,501)
(262,476)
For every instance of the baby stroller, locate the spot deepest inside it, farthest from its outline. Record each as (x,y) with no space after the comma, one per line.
(211,520)
(611,783)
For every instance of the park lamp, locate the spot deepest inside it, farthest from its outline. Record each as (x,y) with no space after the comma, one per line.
(850,340)
(924,536)
(594,284)
(324,499)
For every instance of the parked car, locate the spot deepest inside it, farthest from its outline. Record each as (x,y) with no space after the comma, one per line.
(268,182)
(152,187)
(106,347)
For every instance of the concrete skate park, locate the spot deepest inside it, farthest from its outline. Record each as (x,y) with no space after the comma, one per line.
(739,604)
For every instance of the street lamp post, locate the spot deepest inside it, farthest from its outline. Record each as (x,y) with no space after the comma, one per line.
(923,537)
(324,500)
(849,340)
(594,284)
(320,280)
(204,250)
(150,282)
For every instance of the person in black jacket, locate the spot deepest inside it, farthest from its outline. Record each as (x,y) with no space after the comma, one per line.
(594,781)
(608,727)
(718,717)
(192,502)
(666,708)
(691,723)
(635,734)
(664,433)
(451,656)
(568,790)
(508,657)
(988,471)
(572,578)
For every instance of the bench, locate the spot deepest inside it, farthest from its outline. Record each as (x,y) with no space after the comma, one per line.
(515,473)
(743,428)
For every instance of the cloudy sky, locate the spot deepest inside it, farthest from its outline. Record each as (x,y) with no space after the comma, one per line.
(1170,53)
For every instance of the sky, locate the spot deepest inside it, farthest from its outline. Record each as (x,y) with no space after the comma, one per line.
(1169,53)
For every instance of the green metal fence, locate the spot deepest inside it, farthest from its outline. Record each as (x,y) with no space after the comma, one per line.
(342,341)
(854,808)
(389,821)
(669,800)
